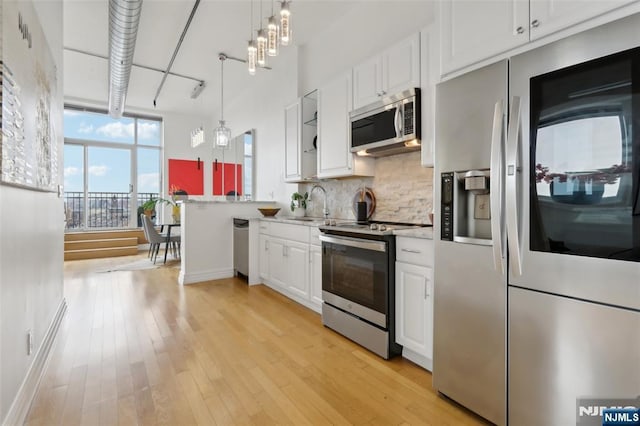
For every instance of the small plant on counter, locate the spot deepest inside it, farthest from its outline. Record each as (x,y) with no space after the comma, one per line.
(299,201)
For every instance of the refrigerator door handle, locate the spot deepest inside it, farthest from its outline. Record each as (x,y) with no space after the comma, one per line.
(515,254)
(496,186)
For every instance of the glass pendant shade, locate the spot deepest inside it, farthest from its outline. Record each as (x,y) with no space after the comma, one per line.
(222,135)
(262,48)
(252,53)
(272,37)
(285,23)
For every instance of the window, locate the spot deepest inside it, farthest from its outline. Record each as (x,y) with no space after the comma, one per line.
(111,167)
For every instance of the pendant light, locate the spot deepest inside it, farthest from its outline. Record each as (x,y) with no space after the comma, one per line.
(222,133)
(285,23)
(272,34)
(252,51)
(262,43)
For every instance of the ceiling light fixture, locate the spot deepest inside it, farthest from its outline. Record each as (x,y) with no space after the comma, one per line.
(285,23)
(252,51)
(272,34)
(222,133)
(262,43)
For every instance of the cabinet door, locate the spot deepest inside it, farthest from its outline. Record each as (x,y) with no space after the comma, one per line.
(473,30)
(263,258)
(315,275)
(297,265)
(549,16)
(292,142)
(414,307)
(401,66)
(334,103)
(367,82)
(277,268)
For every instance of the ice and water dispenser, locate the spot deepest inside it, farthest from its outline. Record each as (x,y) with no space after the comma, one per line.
(465,210)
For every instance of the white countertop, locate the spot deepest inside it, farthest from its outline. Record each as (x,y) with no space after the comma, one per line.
(307,221)
(426,233)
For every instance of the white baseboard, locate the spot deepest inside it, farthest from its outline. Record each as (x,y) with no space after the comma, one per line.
(199,277)
(22,403)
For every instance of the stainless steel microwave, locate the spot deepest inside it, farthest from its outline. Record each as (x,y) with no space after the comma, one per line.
(386,127)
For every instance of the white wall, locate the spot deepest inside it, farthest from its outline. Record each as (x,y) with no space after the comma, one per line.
(362,32)
(31,250)
(263,110)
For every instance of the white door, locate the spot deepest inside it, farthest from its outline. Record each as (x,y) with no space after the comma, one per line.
(278,273)
(473,30)
(414,301)
(549,16)
(292,142)
(334,104)
(401,66)
(367,81)
(264,256)
(315,275)
(297,264)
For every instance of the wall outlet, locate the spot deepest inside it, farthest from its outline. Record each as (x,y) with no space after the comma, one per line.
(29,342)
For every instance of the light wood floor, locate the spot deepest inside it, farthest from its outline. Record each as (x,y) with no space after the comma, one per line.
(137,348)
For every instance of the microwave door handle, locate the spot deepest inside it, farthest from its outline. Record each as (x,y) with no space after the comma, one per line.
(515,254)
(496,186)
(397,122)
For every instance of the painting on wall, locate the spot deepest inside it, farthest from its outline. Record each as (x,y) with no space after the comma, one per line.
(187,175)
(28,82)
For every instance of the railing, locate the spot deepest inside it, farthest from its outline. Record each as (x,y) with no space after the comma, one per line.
(104,209)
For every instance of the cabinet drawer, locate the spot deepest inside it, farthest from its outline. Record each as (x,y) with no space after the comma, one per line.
(314,235)
(417,251)
(290,232)
(264,227)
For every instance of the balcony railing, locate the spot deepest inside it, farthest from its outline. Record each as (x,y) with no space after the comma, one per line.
(104,209)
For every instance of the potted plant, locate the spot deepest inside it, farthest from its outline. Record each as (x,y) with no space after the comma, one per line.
(299,203)
(149,206)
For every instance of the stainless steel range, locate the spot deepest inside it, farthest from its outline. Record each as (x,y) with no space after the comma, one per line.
(358,283)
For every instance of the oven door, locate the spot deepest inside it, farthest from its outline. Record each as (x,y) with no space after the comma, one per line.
(355,276)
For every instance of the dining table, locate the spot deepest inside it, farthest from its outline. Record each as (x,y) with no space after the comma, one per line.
(169,226)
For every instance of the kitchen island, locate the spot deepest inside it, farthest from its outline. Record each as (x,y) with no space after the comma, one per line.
(207,239)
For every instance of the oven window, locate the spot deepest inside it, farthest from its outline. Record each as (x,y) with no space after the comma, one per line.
(355,274)
(584,180)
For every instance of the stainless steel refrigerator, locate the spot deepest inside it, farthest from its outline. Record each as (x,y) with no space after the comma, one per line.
(537,233)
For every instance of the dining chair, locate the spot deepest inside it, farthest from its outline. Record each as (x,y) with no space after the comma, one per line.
(156,239)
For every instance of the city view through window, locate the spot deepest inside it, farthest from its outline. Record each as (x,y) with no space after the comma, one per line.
(111,167)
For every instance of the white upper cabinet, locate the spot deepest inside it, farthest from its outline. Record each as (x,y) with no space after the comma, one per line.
(300,125)
(472,30)
(476,30)
(394,70)
(334,155)
(292,141)
(550,16)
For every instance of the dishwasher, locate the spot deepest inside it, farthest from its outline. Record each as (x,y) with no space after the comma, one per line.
(241,246)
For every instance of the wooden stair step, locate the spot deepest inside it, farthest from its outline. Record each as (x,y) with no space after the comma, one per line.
(100,252)
(102,243)
(105,235)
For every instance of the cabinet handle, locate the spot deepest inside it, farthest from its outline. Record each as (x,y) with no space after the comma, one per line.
(383,93)
(535,23)
(411,251)
(284,251)
(519,30)
(266,246)
(425,290)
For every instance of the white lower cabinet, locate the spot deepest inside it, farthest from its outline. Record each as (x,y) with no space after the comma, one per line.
(414,300)
(315,276)
(290,265)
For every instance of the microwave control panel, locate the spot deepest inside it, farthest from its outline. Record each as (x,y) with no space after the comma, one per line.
(446,207)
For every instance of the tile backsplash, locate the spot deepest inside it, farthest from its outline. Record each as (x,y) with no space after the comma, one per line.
(402,187)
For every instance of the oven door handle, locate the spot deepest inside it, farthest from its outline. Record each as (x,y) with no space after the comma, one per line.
(355,242)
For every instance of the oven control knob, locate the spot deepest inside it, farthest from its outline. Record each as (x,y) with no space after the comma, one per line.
(382,227)
(373,226)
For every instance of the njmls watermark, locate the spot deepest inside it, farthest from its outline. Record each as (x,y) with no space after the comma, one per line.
(608,412)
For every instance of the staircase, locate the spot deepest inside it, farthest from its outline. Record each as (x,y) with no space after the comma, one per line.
(97,244)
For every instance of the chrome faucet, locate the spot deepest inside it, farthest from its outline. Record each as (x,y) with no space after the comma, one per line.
(325,211)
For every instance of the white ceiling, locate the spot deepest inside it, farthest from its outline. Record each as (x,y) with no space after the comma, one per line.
(218,26)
